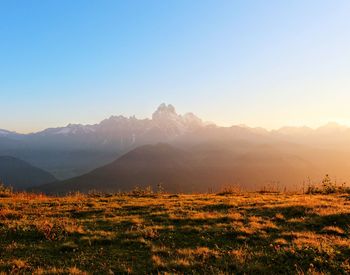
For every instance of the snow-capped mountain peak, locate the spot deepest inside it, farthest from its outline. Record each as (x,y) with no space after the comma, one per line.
(193,120)
(165,111)
(75,129)
(4,133)
(70,129)
(173,124)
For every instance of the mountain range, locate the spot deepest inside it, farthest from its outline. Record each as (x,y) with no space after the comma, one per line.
(76,149)
(181,151)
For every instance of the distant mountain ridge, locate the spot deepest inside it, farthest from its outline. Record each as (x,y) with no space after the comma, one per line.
(164,119)
(165,116)
(76,149)
(165,123)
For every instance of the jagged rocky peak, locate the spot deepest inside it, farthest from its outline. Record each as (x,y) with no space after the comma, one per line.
(192,118)
(114,119)
(164,111)
(167,116)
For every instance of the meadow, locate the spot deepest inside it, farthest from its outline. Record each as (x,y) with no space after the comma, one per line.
(242,233)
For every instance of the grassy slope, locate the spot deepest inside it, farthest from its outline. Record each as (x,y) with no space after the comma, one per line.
(249,233)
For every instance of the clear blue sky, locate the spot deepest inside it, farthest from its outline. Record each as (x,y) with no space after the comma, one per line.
(262,63)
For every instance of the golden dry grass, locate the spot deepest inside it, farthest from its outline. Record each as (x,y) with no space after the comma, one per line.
(204,234)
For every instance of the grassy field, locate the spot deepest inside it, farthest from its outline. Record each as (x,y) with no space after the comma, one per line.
(192,234)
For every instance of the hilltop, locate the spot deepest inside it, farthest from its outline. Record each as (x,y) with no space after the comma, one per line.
(162,233)
(21,175)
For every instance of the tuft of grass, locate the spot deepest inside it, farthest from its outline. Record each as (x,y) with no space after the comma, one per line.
(5,191)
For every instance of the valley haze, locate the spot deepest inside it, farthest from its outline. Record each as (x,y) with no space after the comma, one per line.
(181,152)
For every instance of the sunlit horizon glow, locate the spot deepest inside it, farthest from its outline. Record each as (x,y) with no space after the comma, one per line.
(260,63)
(315,125)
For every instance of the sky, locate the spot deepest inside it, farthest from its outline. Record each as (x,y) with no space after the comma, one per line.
(260,63)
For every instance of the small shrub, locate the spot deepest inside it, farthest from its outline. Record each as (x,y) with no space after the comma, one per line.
(160,188)
(138,191)
(327,186)
(5,191)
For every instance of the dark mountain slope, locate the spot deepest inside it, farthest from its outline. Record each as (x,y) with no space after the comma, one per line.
(193,170)
(21,175)
(144,166)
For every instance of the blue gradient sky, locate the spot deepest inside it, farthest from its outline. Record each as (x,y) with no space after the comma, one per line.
(262,63)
